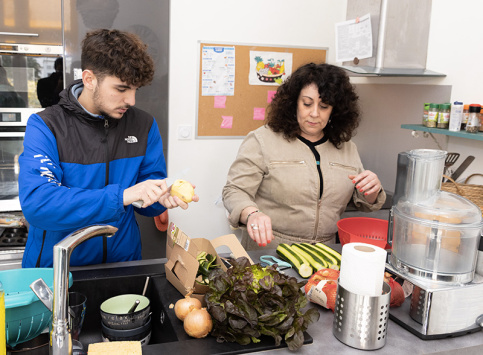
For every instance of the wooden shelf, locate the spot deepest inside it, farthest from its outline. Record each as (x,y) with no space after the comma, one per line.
(462,134)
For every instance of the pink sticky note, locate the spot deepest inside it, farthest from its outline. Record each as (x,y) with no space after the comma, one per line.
(227,122)
(259,113)
(270,95)
(220,101)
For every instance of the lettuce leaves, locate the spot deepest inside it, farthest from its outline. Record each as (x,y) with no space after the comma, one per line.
(249,301)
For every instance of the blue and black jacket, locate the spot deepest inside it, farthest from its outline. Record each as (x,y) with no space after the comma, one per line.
(73,172)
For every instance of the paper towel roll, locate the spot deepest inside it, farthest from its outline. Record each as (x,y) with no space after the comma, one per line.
(362,269)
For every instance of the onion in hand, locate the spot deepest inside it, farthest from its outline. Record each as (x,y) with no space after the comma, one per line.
(198,323)
(185,306)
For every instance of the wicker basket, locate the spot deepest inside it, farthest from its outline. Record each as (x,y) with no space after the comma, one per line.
(474,193)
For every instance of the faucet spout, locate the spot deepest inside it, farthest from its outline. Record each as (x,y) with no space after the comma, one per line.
(60,337)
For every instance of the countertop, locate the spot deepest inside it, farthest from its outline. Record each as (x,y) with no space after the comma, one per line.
(399,340)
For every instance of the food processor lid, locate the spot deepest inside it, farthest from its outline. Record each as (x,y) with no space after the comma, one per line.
(427,154)
(444,208)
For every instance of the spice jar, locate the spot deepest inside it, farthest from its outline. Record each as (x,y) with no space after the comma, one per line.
(466,113)
(443,117)
(433,115)
(473,124)
(481,120)
(425,114)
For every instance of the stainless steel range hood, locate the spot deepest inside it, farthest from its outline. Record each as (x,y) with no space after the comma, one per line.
(400,38)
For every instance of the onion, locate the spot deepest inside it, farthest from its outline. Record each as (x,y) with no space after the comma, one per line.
(198,323)
(185,306)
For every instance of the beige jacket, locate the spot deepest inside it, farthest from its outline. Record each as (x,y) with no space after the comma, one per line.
(280,178)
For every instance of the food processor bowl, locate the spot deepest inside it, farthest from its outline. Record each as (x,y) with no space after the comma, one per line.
(437,238)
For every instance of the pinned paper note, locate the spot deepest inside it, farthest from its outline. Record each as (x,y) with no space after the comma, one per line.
(220,101)
(227,122)
(259,113)
(270,95)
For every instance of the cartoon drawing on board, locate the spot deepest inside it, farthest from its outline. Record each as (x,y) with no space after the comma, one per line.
(269,68)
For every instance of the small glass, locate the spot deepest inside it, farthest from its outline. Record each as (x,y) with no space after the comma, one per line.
(77,312)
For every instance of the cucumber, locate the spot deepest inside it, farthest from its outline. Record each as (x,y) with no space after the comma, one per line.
(333,262)
(300,265)
(314,260)
(330,251)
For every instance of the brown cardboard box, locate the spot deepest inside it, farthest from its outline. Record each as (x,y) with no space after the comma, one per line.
(182,266)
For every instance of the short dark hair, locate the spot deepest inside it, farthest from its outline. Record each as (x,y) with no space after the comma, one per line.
(335,89)
(117,53)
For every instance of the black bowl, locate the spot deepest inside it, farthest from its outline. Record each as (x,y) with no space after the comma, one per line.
(141,333)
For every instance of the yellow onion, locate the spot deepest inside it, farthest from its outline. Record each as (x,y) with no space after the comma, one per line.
(198,323)
(185,306)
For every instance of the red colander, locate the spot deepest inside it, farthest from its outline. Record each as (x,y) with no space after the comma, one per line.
(363,230)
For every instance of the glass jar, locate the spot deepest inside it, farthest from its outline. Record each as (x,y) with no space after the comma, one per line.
(425,114)
(433,115)
(481,120)
(473,124)
(443,117)
(466,113)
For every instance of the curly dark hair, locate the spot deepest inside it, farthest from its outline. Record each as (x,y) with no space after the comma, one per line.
(335,89)
(117,53)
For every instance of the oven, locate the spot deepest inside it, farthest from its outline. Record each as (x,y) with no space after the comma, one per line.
(31,77)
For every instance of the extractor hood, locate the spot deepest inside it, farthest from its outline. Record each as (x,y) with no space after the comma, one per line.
(400,36)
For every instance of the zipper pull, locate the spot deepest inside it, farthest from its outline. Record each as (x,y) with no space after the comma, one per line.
(106,123)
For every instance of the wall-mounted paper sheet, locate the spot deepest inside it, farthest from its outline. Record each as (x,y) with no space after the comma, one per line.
(220,102)
(259,113)
(269,68)
(270,95)
(227,122)
(218,71)
(353,39)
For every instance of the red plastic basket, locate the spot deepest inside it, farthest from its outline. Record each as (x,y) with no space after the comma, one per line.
(363,230)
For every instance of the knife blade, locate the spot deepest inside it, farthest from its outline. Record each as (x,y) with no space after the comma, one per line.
(457,173)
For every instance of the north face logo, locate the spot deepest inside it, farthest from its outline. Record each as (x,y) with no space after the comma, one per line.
(131,139)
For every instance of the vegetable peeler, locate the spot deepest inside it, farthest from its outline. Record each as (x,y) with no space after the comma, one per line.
(271,260)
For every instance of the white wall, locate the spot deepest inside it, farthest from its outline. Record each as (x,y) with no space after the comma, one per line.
(454,49)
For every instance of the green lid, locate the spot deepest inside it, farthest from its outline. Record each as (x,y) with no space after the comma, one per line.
(433,105)
(445,106)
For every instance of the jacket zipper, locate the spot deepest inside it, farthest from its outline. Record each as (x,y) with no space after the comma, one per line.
(319,203)
(343,166)
(104,238)
(288,162)
(106,131)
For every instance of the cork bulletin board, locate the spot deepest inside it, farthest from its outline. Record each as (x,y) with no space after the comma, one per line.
(234,116)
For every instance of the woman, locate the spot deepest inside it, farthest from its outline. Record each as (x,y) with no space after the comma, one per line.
(293,177)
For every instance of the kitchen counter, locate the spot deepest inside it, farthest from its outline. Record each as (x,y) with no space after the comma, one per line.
(399,340)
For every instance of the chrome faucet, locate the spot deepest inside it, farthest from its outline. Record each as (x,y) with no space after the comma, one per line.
(60,337)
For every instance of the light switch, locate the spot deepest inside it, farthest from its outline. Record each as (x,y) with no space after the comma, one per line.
(184,131)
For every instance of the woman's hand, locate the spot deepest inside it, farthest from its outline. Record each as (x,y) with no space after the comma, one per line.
(259,227)
(368,183)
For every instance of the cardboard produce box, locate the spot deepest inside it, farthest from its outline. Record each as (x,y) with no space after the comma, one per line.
(182,265)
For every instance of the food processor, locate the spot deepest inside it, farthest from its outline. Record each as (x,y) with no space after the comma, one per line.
(435,237)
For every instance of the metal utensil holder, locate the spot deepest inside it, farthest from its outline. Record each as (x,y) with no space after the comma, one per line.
(361,321)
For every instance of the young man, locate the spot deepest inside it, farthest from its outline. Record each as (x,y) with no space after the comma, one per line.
(88,158)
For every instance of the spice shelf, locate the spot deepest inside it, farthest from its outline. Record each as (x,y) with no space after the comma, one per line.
(462,134)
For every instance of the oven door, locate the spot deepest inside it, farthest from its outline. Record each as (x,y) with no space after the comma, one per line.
(31,78)
(11,146)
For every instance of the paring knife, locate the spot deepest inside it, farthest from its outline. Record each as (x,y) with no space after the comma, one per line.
(462,167)
(169,182)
